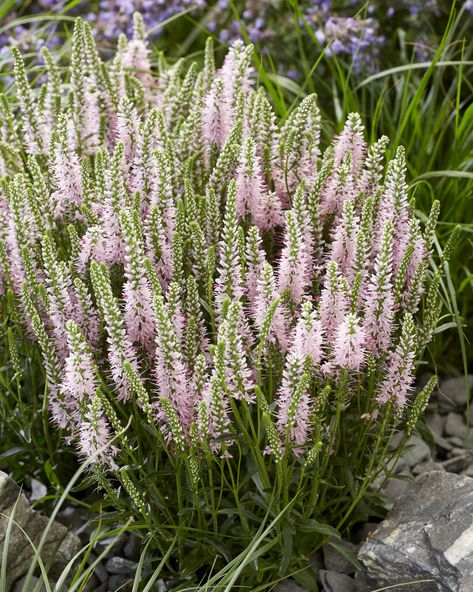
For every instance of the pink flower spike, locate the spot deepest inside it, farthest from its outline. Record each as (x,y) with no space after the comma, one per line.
(349,347)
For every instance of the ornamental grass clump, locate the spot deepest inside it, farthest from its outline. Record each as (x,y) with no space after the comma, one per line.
(229,315)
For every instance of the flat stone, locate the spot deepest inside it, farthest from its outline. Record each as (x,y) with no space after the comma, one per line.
(458,462)
(393,490)
(425,467)
(443,444)
(457,389)
(455,425)
(99,569)
(38,490)
(456,443)
(120,565)
(60,543)
(427,536)
(132,547)
(333,581)
(468,471)
(418,452)
(119,582)
(435,422)
(335,561)
(455,465)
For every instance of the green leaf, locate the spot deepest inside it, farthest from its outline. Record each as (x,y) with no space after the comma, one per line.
(287,539)
(306,578)
(425,433)
(346,553)
(312,525)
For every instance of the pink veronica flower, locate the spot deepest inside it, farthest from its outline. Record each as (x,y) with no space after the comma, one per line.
(349,348)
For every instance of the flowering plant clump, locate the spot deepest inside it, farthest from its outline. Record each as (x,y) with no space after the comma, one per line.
(229,315)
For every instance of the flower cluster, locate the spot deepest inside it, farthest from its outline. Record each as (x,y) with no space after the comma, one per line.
(176,250)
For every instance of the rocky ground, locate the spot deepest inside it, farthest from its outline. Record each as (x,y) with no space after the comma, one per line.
(426,473)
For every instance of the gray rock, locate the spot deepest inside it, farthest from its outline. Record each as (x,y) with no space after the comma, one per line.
(455,464)
(116,542)
(99,569)
(333,581)
(59,548)
(72,517)
(131,549)
(443,444)
(427,536)
(458,462)
(38,490)
(455,425)
(92,584)
(456,443)
(289,586)
(120,565)
(457,389)
(119,582)
(417,453)
(435,422)
(393,490)
(468,471)
(425,467)
(335,561)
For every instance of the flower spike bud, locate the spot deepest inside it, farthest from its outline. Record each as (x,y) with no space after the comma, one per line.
(294,403)
(170,370)
(78,77)
(229,283)
(300,138)
(237,379)
(216,422)
(429,232)
(139,317)
(265,297)
(373,168)
(333,302)
(378,323)
(227,159)
(271,431)
(308,336)
(293,266)
(249,181)
(120,348)
(255,259)
(343,248)
(52,365)
(399,375)
(136,496)
(209,63)
(137,387)
(420,403)
(95,435)
(351,141)
(364,238)
(349,347)
(32,125)
(79,385)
